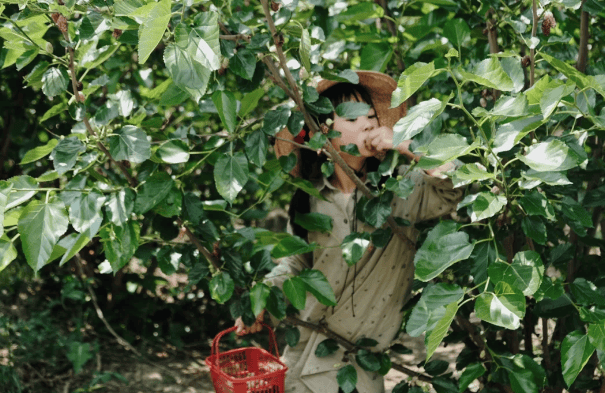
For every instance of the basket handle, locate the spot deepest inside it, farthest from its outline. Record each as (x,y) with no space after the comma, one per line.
(272,342)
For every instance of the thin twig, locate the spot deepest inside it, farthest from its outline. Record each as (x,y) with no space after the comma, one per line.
(349,346)
(545,349)
(234,37)
(532,51)
(583,47)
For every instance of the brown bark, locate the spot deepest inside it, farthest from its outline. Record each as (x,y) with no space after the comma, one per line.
(583,48)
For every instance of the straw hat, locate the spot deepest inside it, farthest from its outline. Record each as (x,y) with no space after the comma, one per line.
(380,87)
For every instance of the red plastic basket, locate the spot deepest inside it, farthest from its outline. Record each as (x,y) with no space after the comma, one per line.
(247,370)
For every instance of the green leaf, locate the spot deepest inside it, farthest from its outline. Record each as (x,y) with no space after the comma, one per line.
(40,226)
(8,252)
(489,73)
(243,64)
(524,274)
(93,24)
(347,378)
(168,260)
(120,243)
(532,178)
(553,155)
(483,205)
(256,148)
(152,29)
(352,110)
(385,364)
(153,191)
(536,204)
(296,292)
(292,336)
(250,101)
(201,42)
(354,246)
(441,294)
(314,222)
(596,333)
(174,151)
(221,287)
(366,342)
(512,67)
(346,76)
(367,360)
(55,110)
(5,190)
(402,188)
(510,106)
(54,81)
(445,148)
(470,173)
(276,120)
(576,212)
(581,80)
(323,106)
(326,348)
(586,293)
(504,307)
(576,350)
(187,74)
(120,206)
(39,152)
(85,210)
(535,229)
(443,247)
(457,32)
(66,153)
(509,134)
(419,116)
(377,210)
(79,353)
(130,143)
(410,81)
(226,105)
(276,303)
(318,285)
(305,49)
(435,336)
(470,373)
(15,198)
(375,55)
(552,94)
(258,297)
(436,367)
(73,245)
(230,175)
(291,245)
(359,12)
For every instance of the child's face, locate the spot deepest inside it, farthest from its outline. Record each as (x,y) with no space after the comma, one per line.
(355,131)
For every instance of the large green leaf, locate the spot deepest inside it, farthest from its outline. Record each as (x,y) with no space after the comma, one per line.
(489,73)
(596,334)
(534,228)
(130,143)
(360,11)
(347,378)
(553,155)
(201,42)
(352,110)
(66,153)
(120,206)
(257,144)
(377,210)
(576,350)
(40,226)
(367,360)
(187,74)
(152,29)
(314,222)
(226,105)
(153,191)
(39,152)
(174,151)
(457,32)
(258,297)
(305,49)
(470,173)
(445,148)
(296,292)
(410,81)
(552,94)
(419,116)
(120,243)
(243,64)
(483,205)
(504,307)
(27,184)
(580,79)
(576,212)
(5,190)
(470,373)
(318,285)
(375,55)
(8,252)
(221,287)
(508,135)
(435,336)
(353,246)
(524,274)
(54,81)
(443,247)
(536,204)
(230,175)
(85,210)
(291,245)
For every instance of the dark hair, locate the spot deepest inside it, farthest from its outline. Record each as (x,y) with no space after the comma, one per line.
(310,168)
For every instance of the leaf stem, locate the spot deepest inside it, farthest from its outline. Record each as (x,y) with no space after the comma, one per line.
(15,237)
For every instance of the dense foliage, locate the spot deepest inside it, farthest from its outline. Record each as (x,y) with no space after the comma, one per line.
(143,129)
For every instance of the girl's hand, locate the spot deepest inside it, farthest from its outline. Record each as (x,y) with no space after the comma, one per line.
(256,327)
(380,139)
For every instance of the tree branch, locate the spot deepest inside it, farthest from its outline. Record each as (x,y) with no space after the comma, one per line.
(349,346)
(583,49)
(532,52)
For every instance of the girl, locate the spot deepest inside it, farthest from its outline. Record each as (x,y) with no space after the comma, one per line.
(370,299)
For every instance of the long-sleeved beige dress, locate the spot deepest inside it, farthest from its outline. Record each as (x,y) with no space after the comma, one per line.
(382,285)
